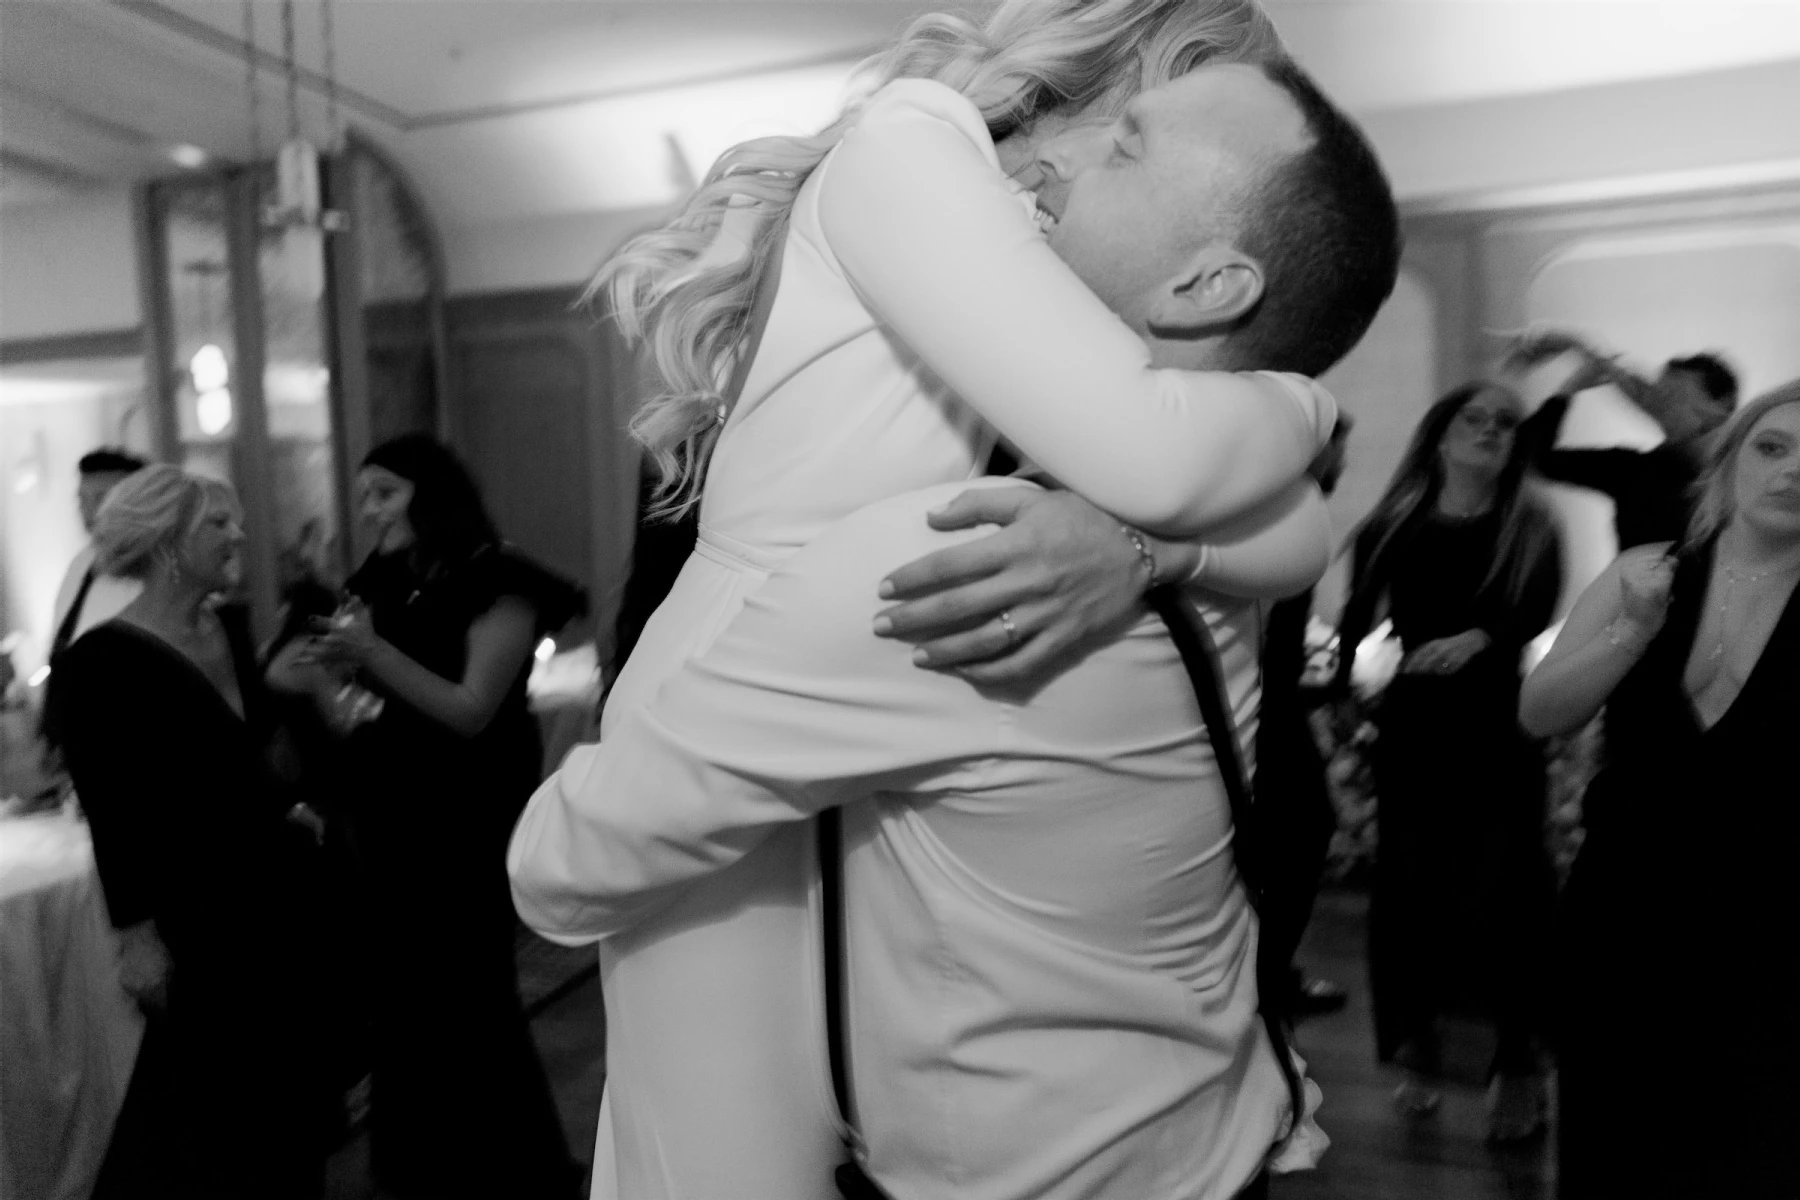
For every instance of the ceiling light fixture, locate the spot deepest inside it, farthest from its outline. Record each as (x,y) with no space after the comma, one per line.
(299,201)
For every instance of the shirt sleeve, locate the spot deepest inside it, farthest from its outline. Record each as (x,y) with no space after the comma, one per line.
(942,251)
(1281,550)
(795,708)
(109,751)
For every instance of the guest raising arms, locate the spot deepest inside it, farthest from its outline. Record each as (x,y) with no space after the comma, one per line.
(209,866)
(1467,563)
(1686,873)
(443,623)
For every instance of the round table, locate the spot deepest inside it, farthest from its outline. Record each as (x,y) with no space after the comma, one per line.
(68,1032)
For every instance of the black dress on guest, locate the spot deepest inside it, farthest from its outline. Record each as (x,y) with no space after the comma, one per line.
(228,1096)
(1459,918)
(1679,1022)
(460,1105)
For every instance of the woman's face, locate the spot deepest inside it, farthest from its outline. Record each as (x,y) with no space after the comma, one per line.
(213,554)
(382,498)
(1767,491)
(1480,436)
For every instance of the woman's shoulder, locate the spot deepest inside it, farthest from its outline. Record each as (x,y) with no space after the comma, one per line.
(903,105)
(499,570)
(101,645)
(901,97)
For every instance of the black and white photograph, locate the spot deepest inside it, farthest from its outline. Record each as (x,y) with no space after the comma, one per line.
(899,599)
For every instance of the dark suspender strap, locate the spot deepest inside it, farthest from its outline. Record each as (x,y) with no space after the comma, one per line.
(1193,641)
(65,633)
(831,892)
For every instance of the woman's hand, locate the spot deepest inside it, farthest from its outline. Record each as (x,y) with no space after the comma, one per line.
(1060,571)
(298,669)
(145,966)
(347,640)
(1644,585)
(306,817)
(1446,656)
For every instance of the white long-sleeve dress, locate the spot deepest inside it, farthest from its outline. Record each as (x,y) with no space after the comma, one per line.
(917,298)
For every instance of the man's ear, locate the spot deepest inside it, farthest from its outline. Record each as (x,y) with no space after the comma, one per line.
(1214,289)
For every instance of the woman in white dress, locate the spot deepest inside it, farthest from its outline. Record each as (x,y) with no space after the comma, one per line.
(920,308)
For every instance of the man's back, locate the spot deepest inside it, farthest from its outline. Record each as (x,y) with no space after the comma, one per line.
(1050,956)
(1051,959)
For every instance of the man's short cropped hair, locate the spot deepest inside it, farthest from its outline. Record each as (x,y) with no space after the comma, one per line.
(110,460)
(1324,226)
(1719,380)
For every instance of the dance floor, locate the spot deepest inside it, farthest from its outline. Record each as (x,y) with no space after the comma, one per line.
(1375,1155)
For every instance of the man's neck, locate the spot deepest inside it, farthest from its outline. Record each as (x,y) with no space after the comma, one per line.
(1197,354)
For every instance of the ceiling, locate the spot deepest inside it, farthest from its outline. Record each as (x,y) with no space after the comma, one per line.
(511,109)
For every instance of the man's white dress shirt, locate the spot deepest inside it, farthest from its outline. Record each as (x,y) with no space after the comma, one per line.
(1050,953)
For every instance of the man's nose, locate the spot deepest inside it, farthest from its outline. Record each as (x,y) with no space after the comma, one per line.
(1071,152)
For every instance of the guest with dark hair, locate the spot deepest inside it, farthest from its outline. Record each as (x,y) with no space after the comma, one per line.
(442,625)
(1687,869)
(87,596)
(1467,564)
(209,866)
(1650,489)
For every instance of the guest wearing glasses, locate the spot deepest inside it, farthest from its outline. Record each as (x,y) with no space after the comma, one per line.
(1466,562)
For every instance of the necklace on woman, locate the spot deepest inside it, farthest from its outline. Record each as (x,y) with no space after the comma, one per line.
(1734,576)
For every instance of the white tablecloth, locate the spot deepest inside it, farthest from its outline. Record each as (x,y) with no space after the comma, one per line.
(68,1033)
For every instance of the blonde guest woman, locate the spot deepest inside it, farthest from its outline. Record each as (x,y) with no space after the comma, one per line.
(922,308)
(207,863)
(1686,875)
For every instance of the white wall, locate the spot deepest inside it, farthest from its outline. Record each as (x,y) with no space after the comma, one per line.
(537,252)
(1601,142)
(68,266)
(50,415)
(1689,131)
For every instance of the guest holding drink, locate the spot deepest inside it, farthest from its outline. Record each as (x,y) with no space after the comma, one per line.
(209,865)
(1686,875)
(1466,561)
(443,752)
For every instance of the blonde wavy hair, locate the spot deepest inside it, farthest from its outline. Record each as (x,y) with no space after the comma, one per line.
(149,516)
(1031,57)
(1715,494)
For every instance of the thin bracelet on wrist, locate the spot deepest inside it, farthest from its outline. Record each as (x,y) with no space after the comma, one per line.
(1145,555)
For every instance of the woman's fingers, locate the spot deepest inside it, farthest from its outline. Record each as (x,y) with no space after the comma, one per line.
(1037,660)
(982,506)
(985,641)
(955,609)
(946,568)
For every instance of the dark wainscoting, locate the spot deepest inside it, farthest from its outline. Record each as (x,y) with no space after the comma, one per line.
(538,399)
